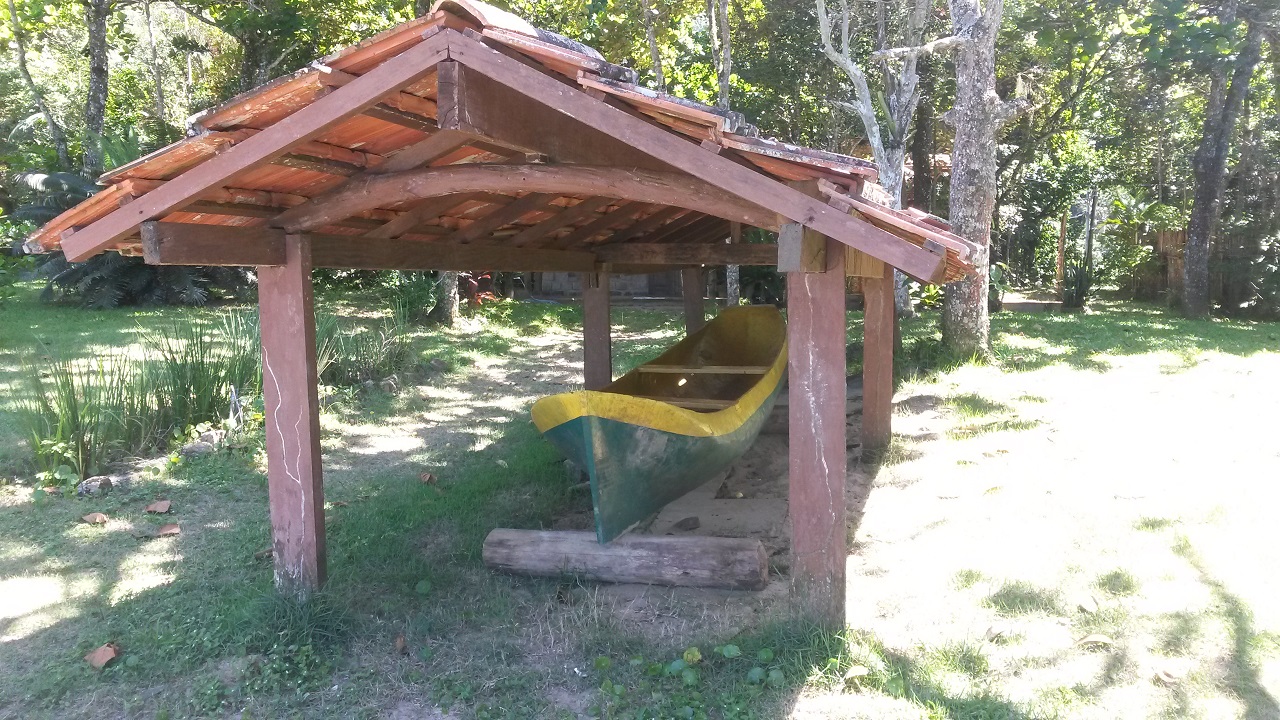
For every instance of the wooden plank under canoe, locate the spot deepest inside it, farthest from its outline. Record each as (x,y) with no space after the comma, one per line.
(653,435)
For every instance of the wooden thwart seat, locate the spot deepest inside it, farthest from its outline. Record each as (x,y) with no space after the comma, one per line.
(691,403)
(705,369)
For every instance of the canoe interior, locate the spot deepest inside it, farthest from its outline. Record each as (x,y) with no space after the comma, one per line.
(717,387)
(750,336)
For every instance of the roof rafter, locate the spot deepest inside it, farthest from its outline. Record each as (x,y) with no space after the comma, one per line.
(710,167)
(343,103)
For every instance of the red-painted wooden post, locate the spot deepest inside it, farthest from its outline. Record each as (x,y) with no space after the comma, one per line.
(695,311)
(295,486)
(816,342)
(597,353)
(877,362)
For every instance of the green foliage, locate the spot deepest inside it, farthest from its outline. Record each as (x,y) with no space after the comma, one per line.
(349,355)
(1077,286)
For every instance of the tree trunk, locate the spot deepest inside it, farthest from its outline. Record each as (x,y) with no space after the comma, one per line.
(977,118)
(96,14)
(157,74)
(56,132)
(1209,169)
(726,55)
(446,310)
(655,56)
(1060,268)
(922,144)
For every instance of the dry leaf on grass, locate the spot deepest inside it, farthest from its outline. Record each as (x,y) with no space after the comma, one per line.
(427,478)
(99,658)
(855,674)
(159,507)
(1096,639)
(170,529)
(402,647)
(95,518)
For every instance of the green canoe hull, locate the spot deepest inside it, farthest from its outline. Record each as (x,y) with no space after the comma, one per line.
(636,470)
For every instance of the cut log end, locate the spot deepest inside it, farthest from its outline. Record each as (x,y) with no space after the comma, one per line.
(707,562)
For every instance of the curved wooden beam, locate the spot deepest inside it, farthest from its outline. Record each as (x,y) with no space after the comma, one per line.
(646,186)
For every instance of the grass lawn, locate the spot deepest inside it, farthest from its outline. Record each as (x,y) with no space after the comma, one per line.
(1080,530)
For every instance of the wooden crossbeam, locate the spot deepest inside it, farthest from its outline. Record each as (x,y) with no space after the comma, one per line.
(688,254)
(705,369)
(710,167)
(189,244)
(658,188)
(477,105)
(690,403)
(341,104)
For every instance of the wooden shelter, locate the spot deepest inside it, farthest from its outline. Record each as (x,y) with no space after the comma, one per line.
(468,139)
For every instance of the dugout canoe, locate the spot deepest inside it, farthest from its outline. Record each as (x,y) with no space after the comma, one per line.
(674,422)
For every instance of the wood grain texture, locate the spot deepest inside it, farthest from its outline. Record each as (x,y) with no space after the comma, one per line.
(295,484)
(801,249)
(688,561)
(816,421)
(597,344)
(710,167)
(877,363)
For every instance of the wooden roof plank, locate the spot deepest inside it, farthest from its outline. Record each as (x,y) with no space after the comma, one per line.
(718,171)
(345,102)
(501,216)
(602,224)
(560,220)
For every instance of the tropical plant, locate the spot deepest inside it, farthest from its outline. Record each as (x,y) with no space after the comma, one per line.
(1077,286)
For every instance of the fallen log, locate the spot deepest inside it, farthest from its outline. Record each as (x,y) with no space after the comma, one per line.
(682,561)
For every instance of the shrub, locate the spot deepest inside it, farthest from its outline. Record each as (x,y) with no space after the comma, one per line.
(1077,286)
(349,356)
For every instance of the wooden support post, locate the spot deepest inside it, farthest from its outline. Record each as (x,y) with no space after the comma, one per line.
(597,354)
(695,311)
(816,338)
(877,362)
(295,487)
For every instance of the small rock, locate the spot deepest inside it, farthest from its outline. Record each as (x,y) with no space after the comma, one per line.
(213,437)
(96,485)
(199,447)
(690,523)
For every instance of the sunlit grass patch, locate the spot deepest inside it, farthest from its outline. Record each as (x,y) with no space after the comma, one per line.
(1118,582)
(964,432)
(967,578)
(1153,524)
(972,405)
(965,658)
(1018,597)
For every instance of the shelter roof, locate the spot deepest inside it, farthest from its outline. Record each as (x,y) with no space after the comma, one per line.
(460,155)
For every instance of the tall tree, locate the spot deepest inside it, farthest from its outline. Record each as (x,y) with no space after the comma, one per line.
(722,51)
(1227,89)
(56,133)
(96,15)
(651,35)
(898,68)
(977,118)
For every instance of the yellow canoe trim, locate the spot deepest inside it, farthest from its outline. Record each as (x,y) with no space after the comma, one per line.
(557,409)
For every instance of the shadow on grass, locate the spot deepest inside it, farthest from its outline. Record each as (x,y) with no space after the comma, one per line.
(1243,663)
(1030,341)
